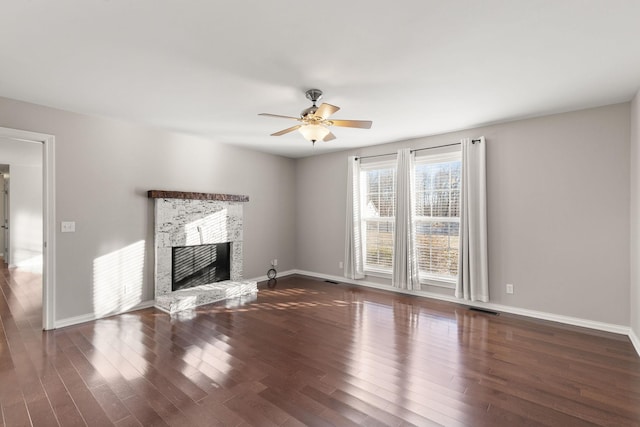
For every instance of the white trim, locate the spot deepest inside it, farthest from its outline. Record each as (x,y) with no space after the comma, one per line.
(634,340)
(378,273)
(164,310)
(568,320)
(49,219)
(49,266)
(575,321)
(90,317)
(279,275)
(440,283)
(146,304)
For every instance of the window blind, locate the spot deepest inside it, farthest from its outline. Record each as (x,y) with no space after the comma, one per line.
(378,216)
(437,181)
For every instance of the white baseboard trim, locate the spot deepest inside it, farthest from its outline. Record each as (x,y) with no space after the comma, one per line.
(70,321)
(280,275)
(575,321)
(634,340)
(164,310)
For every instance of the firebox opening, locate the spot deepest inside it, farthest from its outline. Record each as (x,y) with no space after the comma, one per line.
(200,265)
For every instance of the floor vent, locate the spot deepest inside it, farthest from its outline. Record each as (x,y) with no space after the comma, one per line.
(482,310)
(331,281)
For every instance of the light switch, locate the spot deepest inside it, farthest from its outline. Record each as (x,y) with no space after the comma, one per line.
(68,226)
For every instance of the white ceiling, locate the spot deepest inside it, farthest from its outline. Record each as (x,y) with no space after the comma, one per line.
(414,67)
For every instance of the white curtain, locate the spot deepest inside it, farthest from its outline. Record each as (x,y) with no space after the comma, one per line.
(473,274)
(405,263)
(353,260)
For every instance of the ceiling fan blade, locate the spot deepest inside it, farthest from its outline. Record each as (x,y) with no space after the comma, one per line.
(325,110)
(287,130)
(362,124)
(278,115)
(330,136)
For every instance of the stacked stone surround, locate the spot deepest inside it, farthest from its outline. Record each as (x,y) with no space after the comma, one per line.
(188,219)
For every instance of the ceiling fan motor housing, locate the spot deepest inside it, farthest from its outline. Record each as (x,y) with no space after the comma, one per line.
(313,95)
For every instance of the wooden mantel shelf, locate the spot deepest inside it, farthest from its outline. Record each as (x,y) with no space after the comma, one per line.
(161,194)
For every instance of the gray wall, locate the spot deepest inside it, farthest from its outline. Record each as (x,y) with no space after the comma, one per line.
(25,204)
(558,206)
(635,215)
(103,170)
(559,209)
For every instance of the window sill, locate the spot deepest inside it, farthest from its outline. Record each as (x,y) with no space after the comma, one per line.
(429,281)
(378,273)
(450,284)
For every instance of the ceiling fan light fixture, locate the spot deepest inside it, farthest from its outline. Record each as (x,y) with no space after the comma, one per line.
(314,132)
(314,121)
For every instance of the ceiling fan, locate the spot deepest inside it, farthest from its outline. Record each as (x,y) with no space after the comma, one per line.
(315,120)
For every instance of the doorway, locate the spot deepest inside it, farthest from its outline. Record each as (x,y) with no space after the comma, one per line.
(38,248)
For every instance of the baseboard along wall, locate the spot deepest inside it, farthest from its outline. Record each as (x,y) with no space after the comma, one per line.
(634,340)
(76,320)
(568,320)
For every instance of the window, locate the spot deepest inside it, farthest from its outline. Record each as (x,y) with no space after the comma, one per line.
(377,183)
(437,202)
(437,216)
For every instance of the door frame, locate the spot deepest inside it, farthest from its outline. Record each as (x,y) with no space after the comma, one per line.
(48,219)
(6,207)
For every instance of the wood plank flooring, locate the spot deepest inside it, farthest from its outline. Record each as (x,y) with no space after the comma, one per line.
(309,353)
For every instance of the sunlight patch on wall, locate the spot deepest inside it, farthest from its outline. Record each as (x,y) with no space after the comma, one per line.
(210,229)
(118,280)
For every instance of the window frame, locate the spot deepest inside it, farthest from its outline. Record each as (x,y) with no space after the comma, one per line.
(374,271)
(365,167)
(424,277)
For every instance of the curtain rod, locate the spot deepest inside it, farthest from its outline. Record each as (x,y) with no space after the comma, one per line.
(473,141)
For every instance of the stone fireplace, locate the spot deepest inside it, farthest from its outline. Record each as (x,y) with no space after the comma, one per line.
(194,220)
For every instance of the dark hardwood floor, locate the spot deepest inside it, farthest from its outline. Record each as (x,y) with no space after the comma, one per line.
(309,353)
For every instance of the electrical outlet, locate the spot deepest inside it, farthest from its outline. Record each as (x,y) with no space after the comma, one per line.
(509,288)
(68,227)
(340,265)
(274,262)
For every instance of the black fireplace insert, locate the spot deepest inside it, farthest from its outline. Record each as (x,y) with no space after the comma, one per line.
(200,265)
